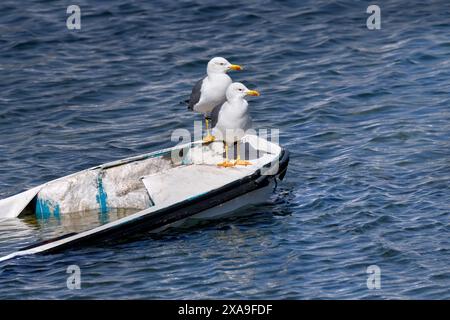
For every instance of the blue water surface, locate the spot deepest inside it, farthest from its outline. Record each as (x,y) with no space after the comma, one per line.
(364,113)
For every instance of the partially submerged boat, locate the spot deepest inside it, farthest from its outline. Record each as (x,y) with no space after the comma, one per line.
(164,188)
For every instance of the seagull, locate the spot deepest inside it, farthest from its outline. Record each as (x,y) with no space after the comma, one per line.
(233,120)
(209,92)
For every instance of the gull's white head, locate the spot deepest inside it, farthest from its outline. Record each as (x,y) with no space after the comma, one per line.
(237,90)
(221,65)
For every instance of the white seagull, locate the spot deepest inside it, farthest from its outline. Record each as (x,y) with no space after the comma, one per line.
(233,120)
(209,92)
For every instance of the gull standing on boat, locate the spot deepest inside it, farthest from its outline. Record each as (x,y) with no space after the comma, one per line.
(233,120)
(209,92)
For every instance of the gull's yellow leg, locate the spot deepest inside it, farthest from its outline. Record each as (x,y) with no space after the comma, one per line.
(240,162)
(209,138)
(226,163)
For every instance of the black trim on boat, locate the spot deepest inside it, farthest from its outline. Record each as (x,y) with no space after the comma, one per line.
(41,243)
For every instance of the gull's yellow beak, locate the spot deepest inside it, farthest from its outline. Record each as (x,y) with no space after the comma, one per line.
(253,93)
(235,67)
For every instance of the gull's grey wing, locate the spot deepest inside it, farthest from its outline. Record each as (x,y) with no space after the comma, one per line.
(249,123)
(195,95)
(214,115)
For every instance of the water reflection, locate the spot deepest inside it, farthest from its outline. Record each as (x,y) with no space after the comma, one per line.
(32,228)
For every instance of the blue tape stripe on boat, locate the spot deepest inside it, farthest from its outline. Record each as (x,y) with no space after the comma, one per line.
(101,196)
(46,208)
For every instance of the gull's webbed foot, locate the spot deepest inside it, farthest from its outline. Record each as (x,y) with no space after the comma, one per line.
(240,162)
(209,138)
(226,164)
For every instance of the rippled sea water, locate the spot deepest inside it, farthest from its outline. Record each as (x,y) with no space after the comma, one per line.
(365,115)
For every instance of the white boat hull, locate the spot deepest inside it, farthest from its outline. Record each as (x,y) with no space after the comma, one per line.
(225,210)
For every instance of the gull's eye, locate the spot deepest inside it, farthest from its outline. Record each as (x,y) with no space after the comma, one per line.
(221,63)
